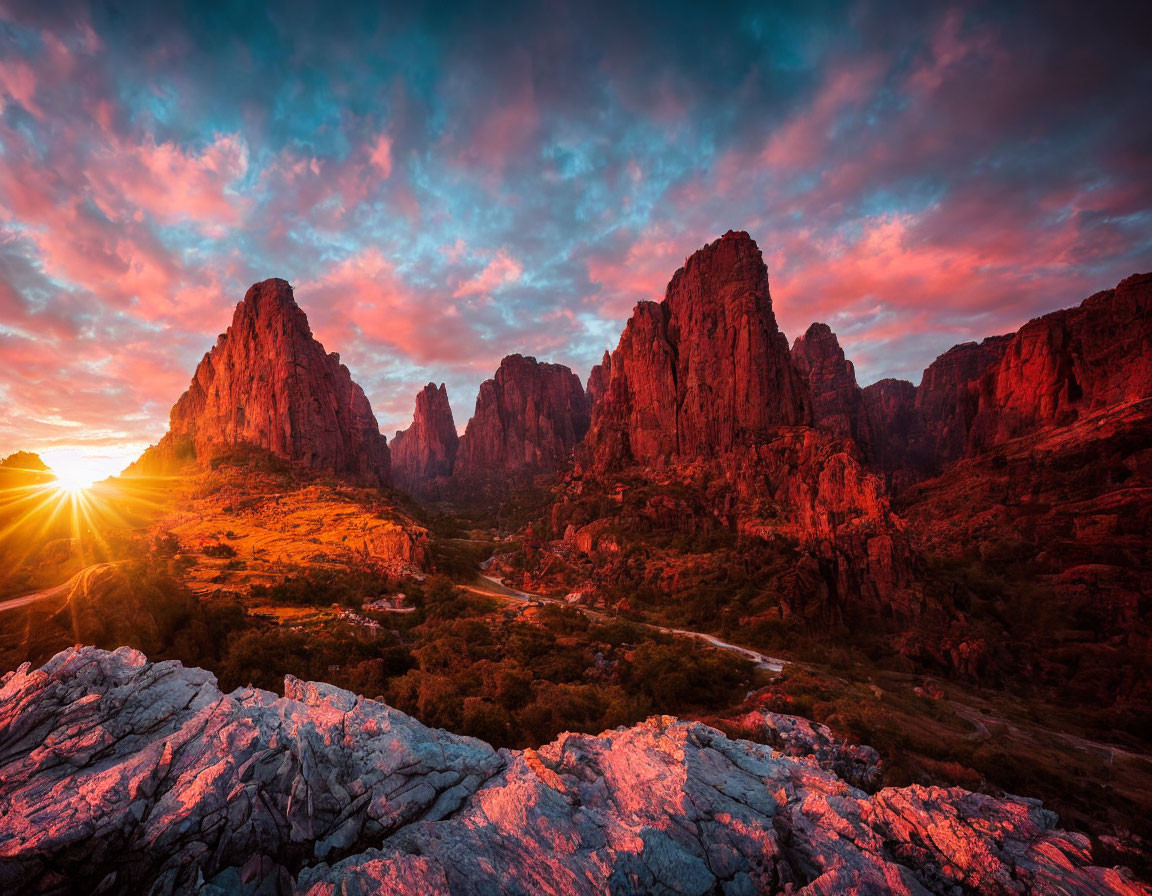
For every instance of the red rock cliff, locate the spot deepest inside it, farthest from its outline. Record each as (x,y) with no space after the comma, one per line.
(891,406)
(837,402)
(703,371)
(427,449)
(528,418)
(269,383)
(918,430)
(1068,363)
(946,398)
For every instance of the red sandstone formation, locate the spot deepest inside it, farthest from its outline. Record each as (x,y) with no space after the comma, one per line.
(1069,363)
(837,402)
(528,419)
(598,380)
(1053,371)
(427,449)
(269,383)
(700,373)
(702,393)
(946,397)
(919,430)
(891,408)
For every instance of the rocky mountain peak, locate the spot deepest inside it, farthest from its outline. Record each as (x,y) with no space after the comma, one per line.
(269,383)
(837,401)
(701,372)
(427,449)
(528,418)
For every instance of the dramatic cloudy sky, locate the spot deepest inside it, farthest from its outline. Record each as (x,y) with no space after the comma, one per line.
(445,185)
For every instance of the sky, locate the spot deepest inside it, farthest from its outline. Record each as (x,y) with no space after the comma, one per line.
(447,184)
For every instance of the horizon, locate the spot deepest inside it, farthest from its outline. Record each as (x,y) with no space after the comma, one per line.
(443,192)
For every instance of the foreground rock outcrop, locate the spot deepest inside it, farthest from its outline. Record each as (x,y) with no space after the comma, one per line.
(120,775)
(268,383)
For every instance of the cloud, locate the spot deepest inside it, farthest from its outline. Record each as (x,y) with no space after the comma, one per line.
(171,184)
(501,270)
(443,189)
(381,155)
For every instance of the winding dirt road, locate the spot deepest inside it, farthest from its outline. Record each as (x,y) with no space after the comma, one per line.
(494,587)
(83,576)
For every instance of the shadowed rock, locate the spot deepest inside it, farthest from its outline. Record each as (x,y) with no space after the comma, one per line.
(703,371)
(837,402)
(426,451)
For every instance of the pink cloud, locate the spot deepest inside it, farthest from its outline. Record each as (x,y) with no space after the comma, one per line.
(804,138)
(381,155)
(504,132)
(641,272)
(171,184)
(501,270)
(364,295)
(18,82)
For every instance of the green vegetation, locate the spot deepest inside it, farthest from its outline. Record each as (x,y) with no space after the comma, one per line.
(467,664)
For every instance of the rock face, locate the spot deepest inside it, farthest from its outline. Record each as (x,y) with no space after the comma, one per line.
(1053,371)
(528,419)
(140,777)
(23,469)
(701,429)
(1063,512)
(269,383)
(859,765)
(1067,364)
(837,402)
(705,370)
(947,396)
(426,451)
(891,407)
(598,380)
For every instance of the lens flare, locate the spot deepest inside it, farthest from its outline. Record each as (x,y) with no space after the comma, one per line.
(76,472)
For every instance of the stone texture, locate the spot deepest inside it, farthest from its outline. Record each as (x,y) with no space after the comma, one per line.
(946,398)
(837,403)
(814,490)
(598,380)
(528,419)
(891,407)
(857,764)
(1067,364)
(705,370)
(426,451)
(270,384)
(118,774)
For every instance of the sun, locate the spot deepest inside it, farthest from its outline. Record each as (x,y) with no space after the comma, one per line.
(75,473)
(69,482)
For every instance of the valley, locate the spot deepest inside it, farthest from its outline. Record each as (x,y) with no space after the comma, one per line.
(722,529)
